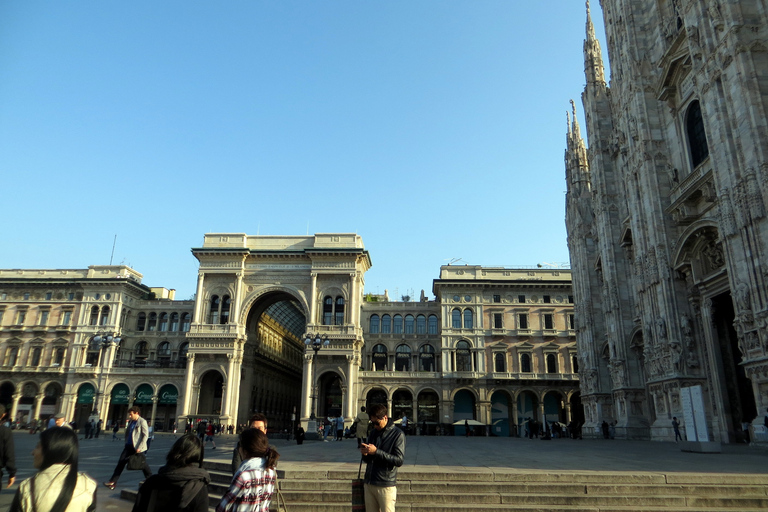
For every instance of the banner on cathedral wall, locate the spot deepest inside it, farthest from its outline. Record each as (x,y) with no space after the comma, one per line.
(694,414)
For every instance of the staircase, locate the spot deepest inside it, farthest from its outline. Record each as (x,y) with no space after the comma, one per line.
(315,488)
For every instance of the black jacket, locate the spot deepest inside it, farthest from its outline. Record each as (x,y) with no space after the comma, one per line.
(382,466)
(7,454)
(174,490)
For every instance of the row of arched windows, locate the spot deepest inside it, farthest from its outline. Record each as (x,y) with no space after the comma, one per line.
(500,363)
(164,350)
(164,322)
(35,356)
(99,316)
(402,362)
(467,316)
(398,325)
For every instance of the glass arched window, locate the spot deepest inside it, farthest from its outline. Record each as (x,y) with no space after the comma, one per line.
(59,357)
(379,357)
(152,323)
(397,324)
(186,320)
(141,323)
(468,317)
(183,349)
(456,319)
(226,303)
(551,363)
(421,324)
(427,358)
(34,360)
(163,321)
(142,349)
(463,357)
(339,311)
(164,349)
(386,324)
(94,316)
(432,324)
(525,363)
(328,311)
(409,324)
(104,318)
(499,363)
(697,138)
(373,325)
(403,358)
(174,322)
(11,355)
(213,310)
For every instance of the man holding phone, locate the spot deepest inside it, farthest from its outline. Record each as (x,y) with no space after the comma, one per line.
(383,453)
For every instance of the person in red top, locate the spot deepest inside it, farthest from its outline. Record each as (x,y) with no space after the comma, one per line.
(209,435)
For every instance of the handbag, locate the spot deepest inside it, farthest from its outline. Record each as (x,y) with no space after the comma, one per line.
(280,497)
(358,492)
(136,461)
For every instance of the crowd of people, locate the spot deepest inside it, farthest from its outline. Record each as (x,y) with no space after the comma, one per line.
(181,485)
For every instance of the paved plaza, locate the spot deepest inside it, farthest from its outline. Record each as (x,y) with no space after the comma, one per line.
(98,458)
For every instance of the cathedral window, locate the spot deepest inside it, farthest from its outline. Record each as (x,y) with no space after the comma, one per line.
(497,321)
(522,321)
(152,323)
(94,316)
(174,322)
(697,138)
(104,318)
(432,324)
(397,324)
(409,324)
(11,354)
(379,357)
(58,359)
(551,363)
(421,324)
(186,320)
(339,312)
(226,303)
(142,349)
(427,357)
(456,318)
(525,363)
(386,324)
(141,322)
(403,358)
(163,322)
(463,357)
(549,323)
(499,366)
(333,310)
(34,360)
(373,324)
(213,316)
(468,319)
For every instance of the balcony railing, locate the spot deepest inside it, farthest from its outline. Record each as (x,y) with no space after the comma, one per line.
(151,363)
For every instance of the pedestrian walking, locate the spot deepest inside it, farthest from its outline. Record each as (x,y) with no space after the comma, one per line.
(7,451)
(136,435)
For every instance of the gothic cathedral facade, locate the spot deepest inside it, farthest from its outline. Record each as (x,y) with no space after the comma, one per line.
(666,216)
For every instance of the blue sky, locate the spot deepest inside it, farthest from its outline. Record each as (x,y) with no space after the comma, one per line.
(433,129)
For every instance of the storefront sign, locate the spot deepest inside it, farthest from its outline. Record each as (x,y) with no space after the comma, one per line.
(169,395)
(143,394)
(120,394)
(85,394)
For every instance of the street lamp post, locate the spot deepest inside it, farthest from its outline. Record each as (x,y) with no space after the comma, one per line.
(103,340)
(315,342)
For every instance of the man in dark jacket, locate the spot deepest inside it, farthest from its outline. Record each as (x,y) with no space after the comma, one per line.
(7,453)
(383,453)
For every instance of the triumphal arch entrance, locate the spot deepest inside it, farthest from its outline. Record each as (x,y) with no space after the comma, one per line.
(258,299)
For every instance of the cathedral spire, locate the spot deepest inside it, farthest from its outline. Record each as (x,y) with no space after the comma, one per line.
(576,166)
(575,128)
(593,57)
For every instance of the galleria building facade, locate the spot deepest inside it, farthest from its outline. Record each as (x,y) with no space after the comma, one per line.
(496,345)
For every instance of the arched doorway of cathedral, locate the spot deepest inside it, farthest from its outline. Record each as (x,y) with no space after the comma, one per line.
(738,397)
(272,367)
(7,389)
(402,405)
(577,410)
(429,412)
(554,407)
(501,413)
(51,399)
(331,397)
(211,390)
(376,396)
(24,409)
(527,408)
(463,409)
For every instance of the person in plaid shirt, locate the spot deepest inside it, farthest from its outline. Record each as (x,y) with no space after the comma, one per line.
(254,482)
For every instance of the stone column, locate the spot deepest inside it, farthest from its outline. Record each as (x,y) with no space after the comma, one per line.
(155,399)
(567,413)
(541,410)
(199,298)
(312,302)
(351,388)
(15,407)
(306,387)
(235,313)
(226,399)
(188,386)
(38,403)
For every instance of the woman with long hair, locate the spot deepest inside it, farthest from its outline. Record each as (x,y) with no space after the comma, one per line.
(254,482)
(57,487)
(179,486)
